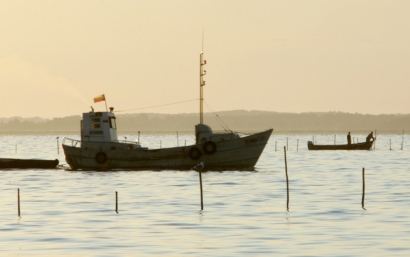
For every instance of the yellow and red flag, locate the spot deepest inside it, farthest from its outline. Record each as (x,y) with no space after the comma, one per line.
(99,98)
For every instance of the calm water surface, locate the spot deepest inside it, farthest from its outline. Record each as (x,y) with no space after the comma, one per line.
(72,213)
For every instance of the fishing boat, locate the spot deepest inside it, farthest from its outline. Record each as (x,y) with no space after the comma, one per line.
(6,163)
(358,146)
(100,149)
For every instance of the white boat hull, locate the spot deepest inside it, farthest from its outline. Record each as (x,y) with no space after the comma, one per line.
(236,154)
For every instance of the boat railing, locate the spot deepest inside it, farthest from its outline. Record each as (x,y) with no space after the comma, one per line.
(72,142)
(233,134)
(126,142)
(77,143)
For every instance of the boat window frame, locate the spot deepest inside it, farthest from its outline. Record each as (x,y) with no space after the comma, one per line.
(113,124)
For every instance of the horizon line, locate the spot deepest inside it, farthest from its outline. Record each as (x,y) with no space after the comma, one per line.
(224,111)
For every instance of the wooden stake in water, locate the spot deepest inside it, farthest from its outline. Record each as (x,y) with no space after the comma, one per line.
(18,201)
(58,149)
(200,183)
(16,149)
(363,189)
(177,139)
(374,142)
(390,144)
(287,180)
(275,145)
(402,140)
(297,145)
(116,201)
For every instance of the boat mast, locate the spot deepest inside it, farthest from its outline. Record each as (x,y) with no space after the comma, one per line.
(202,72)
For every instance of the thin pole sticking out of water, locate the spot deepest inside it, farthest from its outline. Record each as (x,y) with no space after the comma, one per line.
(18,201)
(297,145)
(374,142)
(177,139)
(287,180)
(58,149)
(363,189)
(402,140)
(200,183)
(390,144)
(116,201)
(275,145)
(16,149)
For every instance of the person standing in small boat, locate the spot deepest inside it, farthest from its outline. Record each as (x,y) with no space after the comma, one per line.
(349,139)
(370,137)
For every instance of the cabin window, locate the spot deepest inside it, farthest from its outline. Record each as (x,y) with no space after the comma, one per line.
(95,119)
(112,123)
(94,125)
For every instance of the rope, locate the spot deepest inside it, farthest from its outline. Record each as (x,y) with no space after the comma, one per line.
(158,105)
(219,120)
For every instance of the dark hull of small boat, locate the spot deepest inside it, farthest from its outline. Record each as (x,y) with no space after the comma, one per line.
(358,146)
(27,164)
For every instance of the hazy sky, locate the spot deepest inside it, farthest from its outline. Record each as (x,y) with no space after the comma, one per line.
(285,56)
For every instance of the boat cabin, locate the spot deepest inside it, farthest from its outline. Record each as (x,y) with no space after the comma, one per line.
(203,133)
(99,127)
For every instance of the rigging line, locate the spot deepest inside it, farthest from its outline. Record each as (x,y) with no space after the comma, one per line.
(158,105)
(219,120)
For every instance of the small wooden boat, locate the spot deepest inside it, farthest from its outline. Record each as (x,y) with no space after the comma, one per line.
(357,146)
(27,164)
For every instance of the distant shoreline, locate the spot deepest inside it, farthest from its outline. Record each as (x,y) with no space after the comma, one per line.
(239,120)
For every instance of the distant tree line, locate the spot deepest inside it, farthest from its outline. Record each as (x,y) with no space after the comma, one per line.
(240,121)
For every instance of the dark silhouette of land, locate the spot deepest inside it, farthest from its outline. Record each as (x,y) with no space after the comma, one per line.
(240,121)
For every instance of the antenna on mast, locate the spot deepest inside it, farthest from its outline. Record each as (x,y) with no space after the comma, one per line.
(202,72)
(202,39)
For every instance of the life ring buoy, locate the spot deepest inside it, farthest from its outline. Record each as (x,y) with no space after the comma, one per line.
(209,147)
(100,157)
(194,153)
